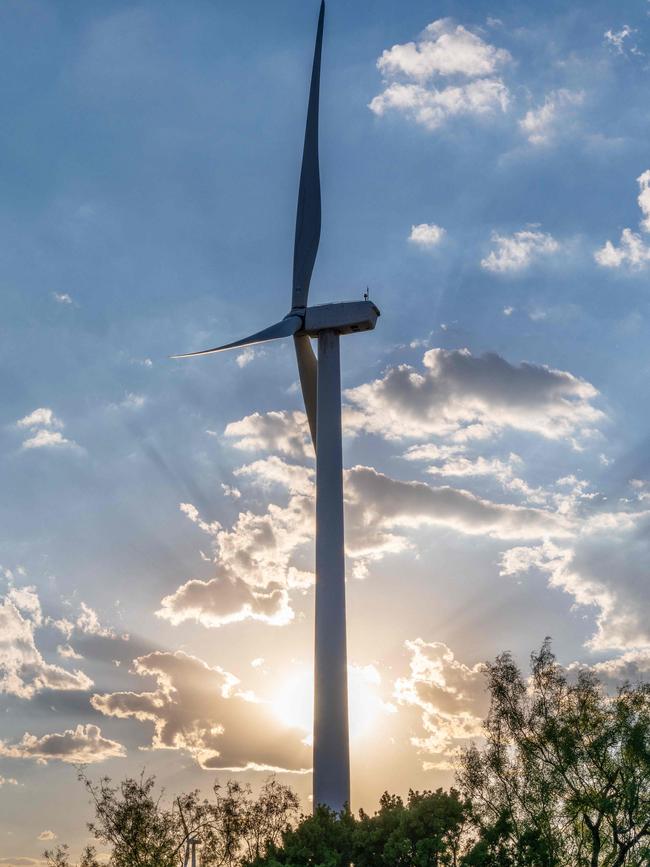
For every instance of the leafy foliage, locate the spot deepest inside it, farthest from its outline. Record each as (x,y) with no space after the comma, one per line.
(424,832)
(233,827)
(564,778)
(60,857)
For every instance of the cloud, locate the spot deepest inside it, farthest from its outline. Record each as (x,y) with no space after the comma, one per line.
(82,745)
(41,417)
(432,108)
(23,671)
(273,470)
(244,358)
(442,50)
(130,401)
(632,666)
(46,439)
(450,697)
(230,491)
(466,397)
(518,251)
(65,651)
(541,125)
(632,252)
(26,600)
(253,558)
(256,558)
(606,569)
(224,600)
(45,430)
(17,861)
(62,297)
(133,401)
(283,432)
(65,626)
(426,235)
(379,504)
(46,835)
(199,708)
(8,781)
(615,39)
(88,623)
(461,466)
(458,465)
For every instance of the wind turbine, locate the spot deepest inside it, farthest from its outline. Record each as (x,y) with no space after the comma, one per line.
(320,380)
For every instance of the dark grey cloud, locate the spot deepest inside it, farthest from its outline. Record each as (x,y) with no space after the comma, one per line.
(459,395)
(81,745)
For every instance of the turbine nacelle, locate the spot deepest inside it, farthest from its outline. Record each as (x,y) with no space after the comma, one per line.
(347,317)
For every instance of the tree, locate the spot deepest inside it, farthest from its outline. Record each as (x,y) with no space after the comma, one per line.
(324,839)
(564,777)
(142,830)
(60,857)
(424,832)
(238,828)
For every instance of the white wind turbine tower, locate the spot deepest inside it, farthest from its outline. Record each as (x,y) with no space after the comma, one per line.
(320,381)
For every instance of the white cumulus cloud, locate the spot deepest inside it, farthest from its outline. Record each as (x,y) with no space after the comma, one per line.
(23,670)
(516,252)
(431,107)
(443,51)
(540,125)
(615,39)
(632,250)
(62,297)
(426,235)
(44,430)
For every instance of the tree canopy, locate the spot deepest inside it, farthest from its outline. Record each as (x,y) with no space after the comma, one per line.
(564,774)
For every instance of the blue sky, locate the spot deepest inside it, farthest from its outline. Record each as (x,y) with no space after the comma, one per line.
(483,173)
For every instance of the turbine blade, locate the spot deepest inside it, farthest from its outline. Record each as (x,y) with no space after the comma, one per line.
(288,326)
(308,372)
(308,217)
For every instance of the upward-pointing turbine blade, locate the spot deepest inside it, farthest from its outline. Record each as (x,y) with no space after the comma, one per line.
(288,326)
(308,216)
(308,372)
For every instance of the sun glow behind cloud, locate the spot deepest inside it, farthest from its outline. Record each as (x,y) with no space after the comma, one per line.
(293,701)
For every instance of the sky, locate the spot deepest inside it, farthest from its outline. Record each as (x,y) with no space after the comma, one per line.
(485,172)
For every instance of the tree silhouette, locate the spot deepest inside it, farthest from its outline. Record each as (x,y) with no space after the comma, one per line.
(564,777)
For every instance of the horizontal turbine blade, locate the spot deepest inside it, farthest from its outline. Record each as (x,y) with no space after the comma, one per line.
(288,326)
